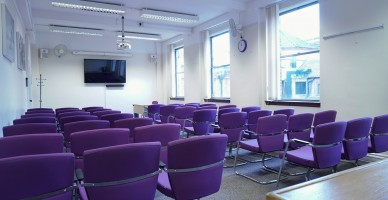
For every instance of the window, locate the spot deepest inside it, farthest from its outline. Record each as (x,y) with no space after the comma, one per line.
(179,72)
(220,65)
(299,53)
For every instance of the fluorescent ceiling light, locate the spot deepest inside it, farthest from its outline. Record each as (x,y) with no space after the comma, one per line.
(141,36)
(76,30)
(94,6)
(168,16)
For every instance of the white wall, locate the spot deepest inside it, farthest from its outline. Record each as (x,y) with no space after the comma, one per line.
(13,91)
(354,67)
(64,85)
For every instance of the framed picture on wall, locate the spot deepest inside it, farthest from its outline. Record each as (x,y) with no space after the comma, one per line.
(8,28)
(21,59)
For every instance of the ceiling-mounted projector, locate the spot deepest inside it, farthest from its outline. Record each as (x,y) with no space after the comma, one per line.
(123,45)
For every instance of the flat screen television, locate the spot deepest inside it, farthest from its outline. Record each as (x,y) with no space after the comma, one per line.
(104,71)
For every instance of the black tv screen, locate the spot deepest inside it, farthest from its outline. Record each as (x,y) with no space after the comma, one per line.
(104,71)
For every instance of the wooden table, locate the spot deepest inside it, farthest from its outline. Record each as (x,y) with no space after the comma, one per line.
(140,110)
(368,181)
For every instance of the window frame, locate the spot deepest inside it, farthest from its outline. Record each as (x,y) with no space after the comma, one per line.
(215,67)
(176,71)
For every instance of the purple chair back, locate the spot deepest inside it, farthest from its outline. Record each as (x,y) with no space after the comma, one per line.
(202,119)
(208,104)
(324,117)
(270,131)
(35,120)
(99,114)
(92,111)
(33,175)
(355,144)
(379,136)
(73,113)
(132,123)
(76,118)
(253,116)
(97,138)
(38,109)
(299,127)
(167,113)
(63,110)
(182,113)
(163,133)
(250,109)
(331,133)
(231,124)
(197,184)
(287,111)
(193,104)
(227,110)
(91,108)
(207,107)
(120,163)
(154,102)
(21,145)
(116,116)
(21,129)
(72,127)
(153,111)
(38,115)
(227,106)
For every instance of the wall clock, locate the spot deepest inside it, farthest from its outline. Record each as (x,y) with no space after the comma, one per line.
(242,45)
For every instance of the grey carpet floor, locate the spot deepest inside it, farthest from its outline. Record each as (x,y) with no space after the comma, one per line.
(236,187)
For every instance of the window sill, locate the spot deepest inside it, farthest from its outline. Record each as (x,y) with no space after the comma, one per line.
(177,98)
(218,100)
(294,103)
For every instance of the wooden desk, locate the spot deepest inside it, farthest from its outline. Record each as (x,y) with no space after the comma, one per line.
(364,182)
(141,110)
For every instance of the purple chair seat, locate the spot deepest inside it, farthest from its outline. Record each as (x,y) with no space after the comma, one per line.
(302,155)
(250,145)
(164,185)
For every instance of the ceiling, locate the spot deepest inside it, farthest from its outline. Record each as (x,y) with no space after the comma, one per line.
(38,15)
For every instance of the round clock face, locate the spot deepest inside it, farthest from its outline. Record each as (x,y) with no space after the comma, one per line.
(242,45)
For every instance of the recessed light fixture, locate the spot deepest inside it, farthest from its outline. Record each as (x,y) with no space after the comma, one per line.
(75,30)
(141,36)
(94,6)
(168,16)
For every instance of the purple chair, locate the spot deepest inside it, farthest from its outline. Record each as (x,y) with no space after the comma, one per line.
(67,109)
(270,138)
(72,127)
(131,124)
(153,111)
(322,118)
(116,116)
(38,109)
(287,111)
(207,107)
(163,133)
(183,113)
(167,113)
(38,115)
(378,136)
(97,138)
(250,109)
(194,167)
(76,118)
(128,171)
(227,106)
(92,111)
(202,120)
(252,122)
(35,120)
(208,104)
(355,143)
(231,124)
(72,113)
(99,114)
(154,102)
(21,129)
(45,176)
(21,145)
(193,104)
(299,127)
(91,108)
(227,110)
(323,152)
